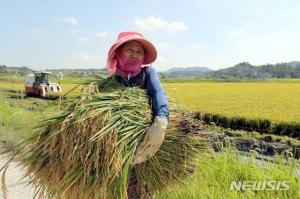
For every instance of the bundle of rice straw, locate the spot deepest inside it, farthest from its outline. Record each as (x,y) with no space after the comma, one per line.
(86,151)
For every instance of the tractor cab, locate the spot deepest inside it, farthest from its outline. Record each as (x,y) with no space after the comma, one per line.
(41,78)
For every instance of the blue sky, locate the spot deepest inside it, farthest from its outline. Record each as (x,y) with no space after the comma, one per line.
(212,33)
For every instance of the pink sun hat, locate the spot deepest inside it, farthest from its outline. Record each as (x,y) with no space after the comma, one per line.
(150,50)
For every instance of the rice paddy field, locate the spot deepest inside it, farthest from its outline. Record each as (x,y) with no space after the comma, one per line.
(273,100)
(279,102)
(214,174)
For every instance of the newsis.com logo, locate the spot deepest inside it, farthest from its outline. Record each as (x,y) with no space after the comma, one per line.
(267,185)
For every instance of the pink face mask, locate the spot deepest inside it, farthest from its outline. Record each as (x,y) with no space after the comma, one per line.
(128,66)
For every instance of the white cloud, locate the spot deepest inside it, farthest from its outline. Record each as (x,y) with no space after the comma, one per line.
(162,63)
(162,46)
(196,46)
(81,58)
(174,27)
(228,2)
(37,31)
(155,23)
(73,31)
(264,47)
(96,59)
(103,34)
(83,39)
(290,13)
(236,32)
(68,20)
(150,23)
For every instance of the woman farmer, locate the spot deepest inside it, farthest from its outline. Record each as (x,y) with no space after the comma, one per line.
(128,63)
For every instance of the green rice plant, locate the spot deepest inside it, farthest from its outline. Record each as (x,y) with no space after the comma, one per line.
(223,121)
(264,125)
(53,95)
(87,149)
(291,129)
(15,120)
(208,118)
(214,175)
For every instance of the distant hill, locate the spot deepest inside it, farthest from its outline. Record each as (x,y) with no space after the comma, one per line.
(282,70)
(80,72)
(21,71)
(188,72)
(241,70)
(246,70)
(5,70)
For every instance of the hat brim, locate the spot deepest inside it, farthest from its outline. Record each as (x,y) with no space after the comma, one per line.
(150,50)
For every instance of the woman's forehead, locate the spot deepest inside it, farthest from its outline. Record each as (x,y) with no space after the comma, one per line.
(135,44)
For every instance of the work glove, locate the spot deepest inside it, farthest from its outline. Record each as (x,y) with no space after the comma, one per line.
(153,139)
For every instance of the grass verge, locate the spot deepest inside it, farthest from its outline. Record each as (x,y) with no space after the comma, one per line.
(215,174)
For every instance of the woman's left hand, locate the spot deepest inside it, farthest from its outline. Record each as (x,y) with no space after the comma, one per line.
(153,139)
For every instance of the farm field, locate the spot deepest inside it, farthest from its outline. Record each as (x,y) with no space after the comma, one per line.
(278,102)
(213,174)
(17,84)
(273,100)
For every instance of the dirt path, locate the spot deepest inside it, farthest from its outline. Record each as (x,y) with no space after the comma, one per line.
(16,189)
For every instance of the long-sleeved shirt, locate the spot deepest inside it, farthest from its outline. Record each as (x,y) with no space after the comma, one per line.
(148,79)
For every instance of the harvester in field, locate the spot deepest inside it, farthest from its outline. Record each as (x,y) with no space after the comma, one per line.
(38,84)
